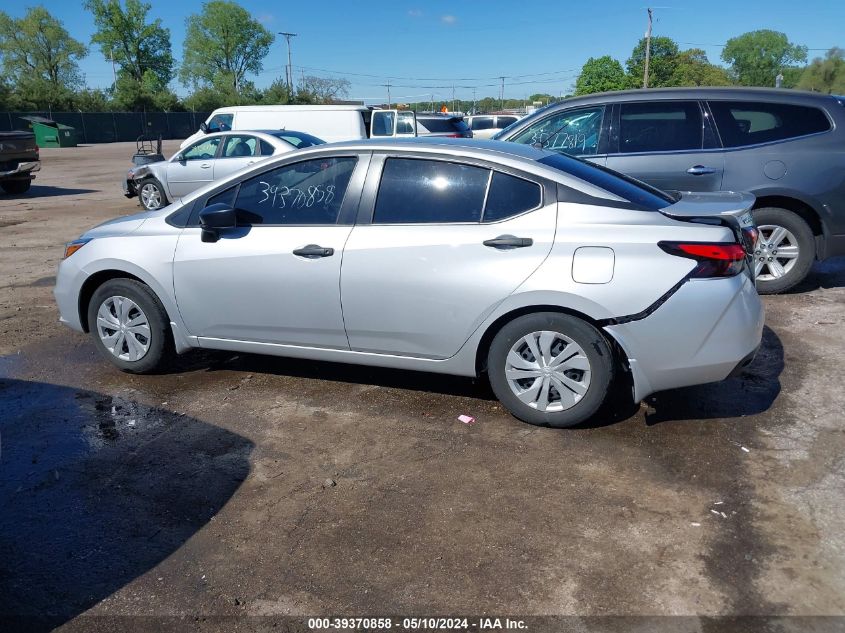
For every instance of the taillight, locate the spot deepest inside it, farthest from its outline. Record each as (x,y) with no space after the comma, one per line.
(715,259)
(453,136)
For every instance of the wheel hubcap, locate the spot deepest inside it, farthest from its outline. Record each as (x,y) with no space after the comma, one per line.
(150,196)
(776,252)
(123,328)
(548,371)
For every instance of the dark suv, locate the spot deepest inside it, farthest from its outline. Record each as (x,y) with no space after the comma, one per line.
(784,146)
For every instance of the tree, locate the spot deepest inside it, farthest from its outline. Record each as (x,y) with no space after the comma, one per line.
(140,47)
(277,93)
(825,75)
(601,74)
(325,89)
(692,68)
(662,62)
(757,57)
(222,44)
(40,58)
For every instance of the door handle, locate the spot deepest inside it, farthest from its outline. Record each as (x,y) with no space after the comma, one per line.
(205,165)
(700,170)
(313,251)
(506,242)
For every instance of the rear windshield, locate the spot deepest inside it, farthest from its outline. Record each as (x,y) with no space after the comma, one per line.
(443,125)
(634,191)
(298,139)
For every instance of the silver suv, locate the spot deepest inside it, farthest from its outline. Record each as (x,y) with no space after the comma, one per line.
(784,146)
(442,255)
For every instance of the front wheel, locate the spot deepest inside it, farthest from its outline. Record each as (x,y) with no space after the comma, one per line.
(785,250)
(151,194)
(550,369)
(16,186)
(130,326)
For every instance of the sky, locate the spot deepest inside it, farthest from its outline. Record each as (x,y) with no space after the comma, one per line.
(423,49)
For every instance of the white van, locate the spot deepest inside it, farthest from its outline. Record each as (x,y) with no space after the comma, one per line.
(329,122)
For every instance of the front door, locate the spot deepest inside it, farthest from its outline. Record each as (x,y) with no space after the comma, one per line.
(275,278)
(665,144)
(419,279)
(193,167)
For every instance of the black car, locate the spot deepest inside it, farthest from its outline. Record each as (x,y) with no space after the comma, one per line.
(787,147)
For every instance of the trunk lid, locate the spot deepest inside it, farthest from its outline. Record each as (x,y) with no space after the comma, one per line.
(726,208)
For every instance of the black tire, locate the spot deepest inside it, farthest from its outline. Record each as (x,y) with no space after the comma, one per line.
(16,186)
(795,224)
(160,351)
(594,346)
(153,182)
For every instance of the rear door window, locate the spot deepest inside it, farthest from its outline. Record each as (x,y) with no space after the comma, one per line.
(417,191)
(505,121)
(570,132)
(510,196)
(660,126)
(240,147)
(748,123)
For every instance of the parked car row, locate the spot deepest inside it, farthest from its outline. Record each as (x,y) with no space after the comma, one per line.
(551,276)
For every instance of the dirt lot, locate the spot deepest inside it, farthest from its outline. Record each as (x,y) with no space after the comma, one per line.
(242,485)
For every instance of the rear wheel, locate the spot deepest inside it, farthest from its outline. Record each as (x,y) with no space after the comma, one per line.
(785,251)
(550,369)
(151,194)
(130,326)
(16,186)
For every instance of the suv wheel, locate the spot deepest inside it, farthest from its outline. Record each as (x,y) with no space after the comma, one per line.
(550,369)
(785,251)
(16,186)
(151,194)
(130,326)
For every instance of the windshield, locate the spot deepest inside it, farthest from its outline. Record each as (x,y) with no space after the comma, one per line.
(627,188)
(298,139)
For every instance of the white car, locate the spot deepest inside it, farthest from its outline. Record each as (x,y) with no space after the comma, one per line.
(486,125)
(210,158)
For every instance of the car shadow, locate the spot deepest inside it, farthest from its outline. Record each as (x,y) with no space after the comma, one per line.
(212,361)
(45,191)
(97,490)
(827,274)
(752,392)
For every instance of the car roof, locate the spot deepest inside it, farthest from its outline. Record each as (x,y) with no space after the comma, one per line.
(456,146)
(705,92)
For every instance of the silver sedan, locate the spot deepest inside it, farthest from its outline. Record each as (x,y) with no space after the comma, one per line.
(550,275)
(213,157)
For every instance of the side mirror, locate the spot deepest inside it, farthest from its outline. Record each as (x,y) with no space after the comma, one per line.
(215,218)
(179,158)
(204,127)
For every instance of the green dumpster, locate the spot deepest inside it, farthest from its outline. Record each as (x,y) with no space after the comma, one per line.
(48,133)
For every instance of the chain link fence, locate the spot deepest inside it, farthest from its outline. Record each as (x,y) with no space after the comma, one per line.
(109,127)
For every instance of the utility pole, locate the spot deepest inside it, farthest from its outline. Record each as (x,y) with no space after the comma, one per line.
(387,85)
(647,50)
(473,100)
(502,94)
(113,71)
(453,99)
(289,69)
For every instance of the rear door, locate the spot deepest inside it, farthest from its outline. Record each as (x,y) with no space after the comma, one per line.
(668,144)
(239,151)
(193,167)
(417,277)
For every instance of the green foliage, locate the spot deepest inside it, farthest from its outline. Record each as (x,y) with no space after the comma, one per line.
(758,56)
(825,74)
(40,58)
(277,93)
(89,100)
(222,44)
(693,69)
(325,89)
(142,50)
(662,62)
(601,74)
